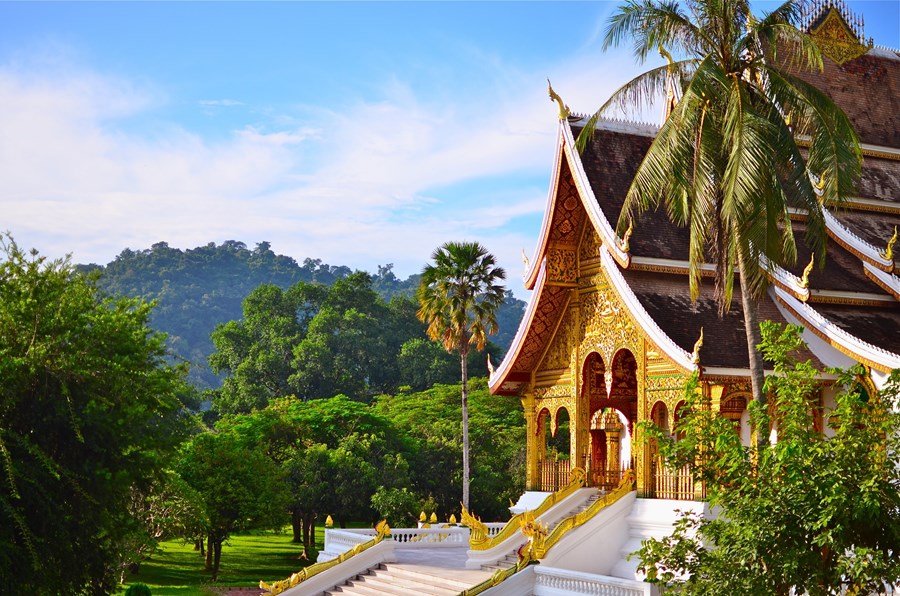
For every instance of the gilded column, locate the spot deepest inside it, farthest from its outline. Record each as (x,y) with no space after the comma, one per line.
(532,453)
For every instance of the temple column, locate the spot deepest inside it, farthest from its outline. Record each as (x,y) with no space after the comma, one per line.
(533,443)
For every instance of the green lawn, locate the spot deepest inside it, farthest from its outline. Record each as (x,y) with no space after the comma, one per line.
(177,569)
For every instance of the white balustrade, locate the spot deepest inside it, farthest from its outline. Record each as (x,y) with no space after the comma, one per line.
(549,581)
(430,537)
(494,528)
(340,541)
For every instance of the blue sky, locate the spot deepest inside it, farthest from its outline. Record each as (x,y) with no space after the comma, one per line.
(359,133)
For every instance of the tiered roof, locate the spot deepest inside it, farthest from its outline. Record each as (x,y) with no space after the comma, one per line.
(850,308)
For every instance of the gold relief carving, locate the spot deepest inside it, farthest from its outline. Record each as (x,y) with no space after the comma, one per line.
(590,244)
(607,326)
(561,266)
(564,342)
(836,40)
(552,392)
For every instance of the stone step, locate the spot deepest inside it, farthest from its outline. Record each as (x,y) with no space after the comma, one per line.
(410,585)
(388,585)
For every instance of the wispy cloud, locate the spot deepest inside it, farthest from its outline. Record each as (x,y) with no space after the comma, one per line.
(367,182)
(227,103)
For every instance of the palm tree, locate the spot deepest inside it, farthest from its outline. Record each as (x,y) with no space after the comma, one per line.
(458,297)
(747,142)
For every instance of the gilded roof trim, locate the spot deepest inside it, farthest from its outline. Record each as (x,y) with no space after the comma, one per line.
(888,281)
(500,373)
(856,245)
(839,339)
(534,266)
(589,200)
(679,356)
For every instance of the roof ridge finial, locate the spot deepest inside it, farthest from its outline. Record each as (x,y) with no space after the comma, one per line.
(554,96)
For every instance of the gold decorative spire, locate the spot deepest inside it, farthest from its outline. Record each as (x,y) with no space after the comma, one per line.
(329,522)
(888,253)
(525,259)
(554,96)
(671,88)
(624,243)
(490,366)
(804,280)
(695,355)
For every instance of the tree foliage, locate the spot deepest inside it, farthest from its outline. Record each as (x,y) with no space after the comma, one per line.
(311,341)
(200,288)
(816,513)
(88,411)
(241,488)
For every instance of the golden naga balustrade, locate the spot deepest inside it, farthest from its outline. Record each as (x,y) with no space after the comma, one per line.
(479,539)
(382,530)
(540,541)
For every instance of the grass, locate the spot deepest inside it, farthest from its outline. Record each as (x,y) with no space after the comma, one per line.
(176,569)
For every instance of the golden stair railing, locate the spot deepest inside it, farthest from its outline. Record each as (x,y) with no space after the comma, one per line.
(479,539)
(382,529)
(540,541)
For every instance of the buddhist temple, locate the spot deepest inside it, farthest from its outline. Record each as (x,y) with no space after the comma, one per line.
(611,333)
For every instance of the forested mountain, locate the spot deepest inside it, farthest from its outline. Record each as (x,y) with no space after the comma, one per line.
(197,289)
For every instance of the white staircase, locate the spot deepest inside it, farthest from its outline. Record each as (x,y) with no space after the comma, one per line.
(395,580)
(649,518)
(512,558)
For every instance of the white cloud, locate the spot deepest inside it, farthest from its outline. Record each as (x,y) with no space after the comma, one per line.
(227,103)
(371,182)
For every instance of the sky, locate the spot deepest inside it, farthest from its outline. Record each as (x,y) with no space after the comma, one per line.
(359,133)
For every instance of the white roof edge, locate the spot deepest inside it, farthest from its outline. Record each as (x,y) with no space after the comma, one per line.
(678,355)
(886,280)
(785,277)
(644,129)
(844,234)
(835,334)
(589,200)
(531,271)
(673,263)
(500,372)
(722,371)
(884,52)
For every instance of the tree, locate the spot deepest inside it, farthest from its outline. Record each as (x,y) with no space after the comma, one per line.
(814,514)
(89,409)
(241,488)
(459,295)
(727,161)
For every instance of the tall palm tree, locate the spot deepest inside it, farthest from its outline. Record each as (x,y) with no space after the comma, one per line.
(459,294)
(747,142)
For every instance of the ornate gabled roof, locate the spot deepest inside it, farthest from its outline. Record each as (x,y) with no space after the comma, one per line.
(852,304)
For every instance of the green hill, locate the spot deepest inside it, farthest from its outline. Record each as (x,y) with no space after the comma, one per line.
(197,289)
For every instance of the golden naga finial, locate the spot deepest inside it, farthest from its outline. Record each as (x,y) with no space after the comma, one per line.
(382,529)
(695,355)
(624,243)
(804,279)
(667,56)
(490,366)
(554,96)
(888,253)
(525,259)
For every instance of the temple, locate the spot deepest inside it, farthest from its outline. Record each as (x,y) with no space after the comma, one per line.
(611,334)
(610,337)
